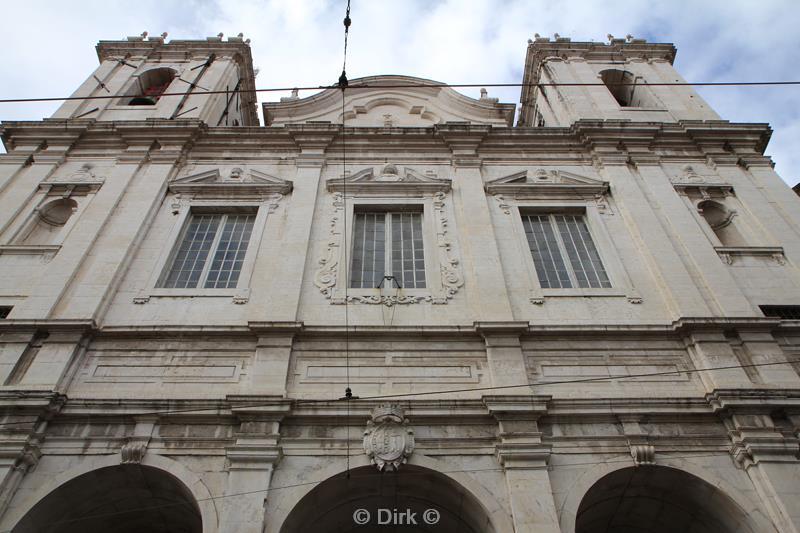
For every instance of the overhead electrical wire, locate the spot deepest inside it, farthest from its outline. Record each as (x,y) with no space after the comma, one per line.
(348,392)
(421,85)
(627,459)
(303,401)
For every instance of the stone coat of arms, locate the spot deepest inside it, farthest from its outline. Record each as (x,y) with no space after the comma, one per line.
(388,439)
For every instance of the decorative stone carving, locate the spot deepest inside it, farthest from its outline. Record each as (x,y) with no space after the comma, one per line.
(326,275)
(643,454)
(83,179)
(390,180)
(502,204)
(542,183)
(601,201)
(451,274)
(690,174)
(325,278)
(133,452)
(237,182)
(176,204)
(388,439)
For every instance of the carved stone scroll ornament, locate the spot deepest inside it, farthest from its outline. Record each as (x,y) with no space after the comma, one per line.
(327,272)
(388,439)
(643,454)
(133,451)
(325,278)
(451,274)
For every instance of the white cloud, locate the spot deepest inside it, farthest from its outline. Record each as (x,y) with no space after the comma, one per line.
(299,43)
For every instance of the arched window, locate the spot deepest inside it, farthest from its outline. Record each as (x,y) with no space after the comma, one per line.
(149,86)
(721,221)
(49,221)
(623,87)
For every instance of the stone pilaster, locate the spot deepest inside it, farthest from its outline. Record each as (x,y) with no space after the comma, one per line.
(524,458)
(770,457)
(251,461)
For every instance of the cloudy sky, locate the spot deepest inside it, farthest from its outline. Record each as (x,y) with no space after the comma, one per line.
(49,45)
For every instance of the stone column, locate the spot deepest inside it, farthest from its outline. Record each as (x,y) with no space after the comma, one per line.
(251,461)
(524,458)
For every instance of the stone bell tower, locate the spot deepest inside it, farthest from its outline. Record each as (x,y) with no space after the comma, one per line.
(620,67)
(146,77)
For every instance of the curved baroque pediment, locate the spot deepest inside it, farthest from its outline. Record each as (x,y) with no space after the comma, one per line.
(386,103)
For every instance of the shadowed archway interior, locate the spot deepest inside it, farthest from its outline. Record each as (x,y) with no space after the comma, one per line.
(127,498)
(655,499)
(413,490)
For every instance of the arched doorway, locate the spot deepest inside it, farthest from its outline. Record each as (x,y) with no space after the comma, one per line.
(413,499)
(657,499)
(128,498)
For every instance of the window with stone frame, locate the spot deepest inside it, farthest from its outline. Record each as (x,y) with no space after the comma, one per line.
(562,223)
(387,247)
(389,239)
(211,251)
(220,219)
(563,251)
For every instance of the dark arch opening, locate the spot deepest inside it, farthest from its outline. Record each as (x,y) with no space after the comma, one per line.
(124,499)
(413,490)
(657,499)
(623,87)
(150,85)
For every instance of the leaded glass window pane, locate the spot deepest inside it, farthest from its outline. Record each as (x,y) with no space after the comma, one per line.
(546,254)
(230,252)
(221,237)
(388,244)
(369,249)
(553,237)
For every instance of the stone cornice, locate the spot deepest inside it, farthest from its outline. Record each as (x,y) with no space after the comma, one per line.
(65,325)
(753,400)
(598,408)
(608,141)
(680,326)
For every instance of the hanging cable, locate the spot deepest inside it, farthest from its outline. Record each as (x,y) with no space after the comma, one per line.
(348,392)
(343,80)
(627,459)
(412,395)
(346,22)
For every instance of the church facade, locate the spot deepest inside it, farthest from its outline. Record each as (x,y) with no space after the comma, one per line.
(395,306)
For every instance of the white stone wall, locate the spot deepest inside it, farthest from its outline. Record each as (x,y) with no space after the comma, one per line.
(524,397)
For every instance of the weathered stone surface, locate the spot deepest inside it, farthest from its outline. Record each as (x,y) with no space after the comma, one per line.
(528,400)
